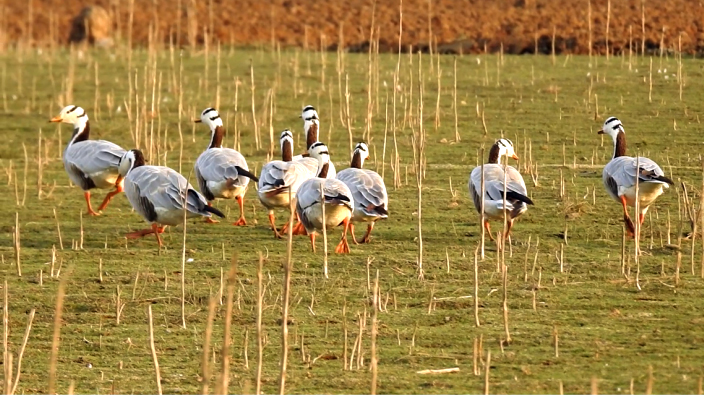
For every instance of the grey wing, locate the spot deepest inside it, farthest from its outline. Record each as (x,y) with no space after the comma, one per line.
(334,189)
(167,189)
(139,202)
(310,163)
(367,188)
(219,164)
(279,174)
(309,193)
(623,171)
(475,185)
(515,182)
(93,156)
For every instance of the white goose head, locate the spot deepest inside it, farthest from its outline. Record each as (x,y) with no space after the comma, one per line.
(501,148)
(130,160)
(614,128)
(359,155)
(71,114)
(210,117)
(78,118)
(286,142)
(320,152)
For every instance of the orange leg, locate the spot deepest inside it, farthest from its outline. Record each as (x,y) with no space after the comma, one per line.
(86,194)
(241,221)
(488,230)
(210,220)
(299,229)
(354,239)
(366,237)
(109,196)
(343,247)
(141,233)
(312,242)
(631,229)
(509,225)
(273,225)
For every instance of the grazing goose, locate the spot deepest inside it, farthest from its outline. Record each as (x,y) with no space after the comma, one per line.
(278,177)
(620,176)
(311,125)
(371,202)
(516,193)
(222,173)
(158,194)
(338,200)
(90,163)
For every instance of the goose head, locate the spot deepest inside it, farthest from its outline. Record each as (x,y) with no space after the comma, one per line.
(320,152)
(210,117)
(71,114)
(308,112)
(359,155)
(286,142)
(501,148)
(612,127)
(130,160)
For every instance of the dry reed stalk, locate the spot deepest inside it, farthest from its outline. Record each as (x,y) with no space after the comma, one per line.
(454,99)
(26,170)
(630,47)
(130,24)
(260,332)
(375,329)
(285,299)
(649,386)
(420,145)
(505,298)
(608,23)
(206,344)
(476,290)
(386,130)
(347,111)
(57,332)
(344,330)
(637,224)
(7,356)
(556,341)
(680,78)
(642,27)
(27,330)
(254,115)
(157,373)
(223,383)
(17,245)
(589,23)
(482,216)
(368,125)
(487,366)
(58,229)
(325,234)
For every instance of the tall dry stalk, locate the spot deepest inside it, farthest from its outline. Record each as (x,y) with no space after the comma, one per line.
(257,141)
(205,366)
(375,329)
(260,332)
(55,340)
(223,382)
(285,299)
(420,159)
(157,373)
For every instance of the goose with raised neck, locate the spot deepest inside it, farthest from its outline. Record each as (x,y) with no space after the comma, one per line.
(371,200)
(619,176)
(222,172)
(495,173)
(90,163)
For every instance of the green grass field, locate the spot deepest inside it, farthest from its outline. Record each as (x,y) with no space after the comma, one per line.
(610,332)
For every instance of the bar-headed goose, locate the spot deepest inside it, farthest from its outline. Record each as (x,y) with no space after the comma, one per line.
(278,177)
(620,176)
(158,194)
(90,163)
(311,126)
(516,193)
(222,173)
(333,193)
(371,201)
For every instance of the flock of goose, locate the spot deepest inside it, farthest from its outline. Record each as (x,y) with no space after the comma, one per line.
(323,197)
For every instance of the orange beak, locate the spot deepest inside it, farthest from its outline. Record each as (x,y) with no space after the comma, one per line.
(600,132)
(514,156)
(56,119)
